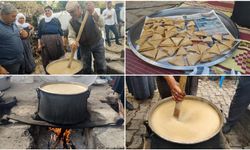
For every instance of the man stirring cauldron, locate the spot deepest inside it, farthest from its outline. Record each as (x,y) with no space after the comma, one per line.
(91,41)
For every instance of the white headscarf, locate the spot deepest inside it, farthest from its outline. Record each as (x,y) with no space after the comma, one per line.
(48,19)
(23,25)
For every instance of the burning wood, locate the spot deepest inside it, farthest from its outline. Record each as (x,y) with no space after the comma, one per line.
(60,135)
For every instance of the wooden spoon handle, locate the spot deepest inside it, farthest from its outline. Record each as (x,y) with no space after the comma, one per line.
(183,81)
(78,37)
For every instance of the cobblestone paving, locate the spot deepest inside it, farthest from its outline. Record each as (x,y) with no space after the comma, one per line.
(221,97)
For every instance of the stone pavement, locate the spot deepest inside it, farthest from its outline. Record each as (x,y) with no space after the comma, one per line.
(221,97)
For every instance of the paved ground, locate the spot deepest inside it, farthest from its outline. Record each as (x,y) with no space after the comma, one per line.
(19,136)
(239,137)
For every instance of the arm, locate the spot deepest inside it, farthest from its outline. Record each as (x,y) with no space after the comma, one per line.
(176,91)
(98,19)
(72,38)
(3,70)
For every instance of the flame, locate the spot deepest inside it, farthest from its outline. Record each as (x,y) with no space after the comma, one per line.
(57,131)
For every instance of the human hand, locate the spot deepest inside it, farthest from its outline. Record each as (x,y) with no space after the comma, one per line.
(39,47)
(177,93)
(74,46)
(23,33)
(3,70)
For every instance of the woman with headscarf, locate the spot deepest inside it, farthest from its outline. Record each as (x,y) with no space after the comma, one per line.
(28,65)
(50,36)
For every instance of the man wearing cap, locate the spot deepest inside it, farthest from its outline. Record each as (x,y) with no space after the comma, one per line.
(91,41)
(11,46)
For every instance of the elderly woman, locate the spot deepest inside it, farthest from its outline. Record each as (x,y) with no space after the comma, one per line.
(28,65)
(50,36)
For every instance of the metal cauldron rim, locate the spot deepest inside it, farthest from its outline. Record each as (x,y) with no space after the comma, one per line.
(192,98)
(55,61)
(61,82)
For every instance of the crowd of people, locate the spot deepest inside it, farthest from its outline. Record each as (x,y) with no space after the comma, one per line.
(16,53)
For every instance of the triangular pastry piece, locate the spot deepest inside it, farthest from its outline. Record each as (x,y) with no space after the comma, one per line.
(150,54)
(167,42)
(160,30)
(147,33)
(156,37)
(161,54)
(185,42)
(202,48)
(190,32)
(217,37)
(170,50)
(208,39)
(195,38)
(141,41)
(169,34)
(229,37)
(190,23)
(181,51)
(205,57)
(177,40)
(177,61)
(228,43)
(200,33)
(222,47)
(154,43)
(180,25)
(194,48)
(168,22)
(169,28)
(146,47)
(193,58)
(214,49)
(181,34)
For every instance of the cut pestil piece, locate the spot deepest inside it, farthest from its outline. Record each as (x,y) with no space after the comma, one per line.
(177,60)
(150,54)
(161,54)
(181,51)
(193,58)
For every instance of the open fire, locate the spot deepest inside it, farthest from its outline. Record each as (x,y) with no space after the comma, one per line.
(60,136)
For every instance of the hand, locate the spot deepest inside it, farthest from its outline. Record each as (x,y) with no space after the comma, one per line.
(24,34)
(74,46)
(177,93)
(39,47)
(3,70)
(109,16)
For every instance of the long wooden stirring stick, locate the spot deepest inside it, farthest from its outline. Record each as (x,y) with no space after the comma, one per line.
(183,81)
(78,37)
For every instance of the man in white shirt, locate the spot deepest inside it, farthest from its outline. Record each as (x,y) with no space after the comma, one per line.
(110,20)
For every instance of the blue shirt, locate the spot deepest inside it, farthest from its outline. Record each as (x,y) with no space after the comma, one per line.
(11,46)
(52,27)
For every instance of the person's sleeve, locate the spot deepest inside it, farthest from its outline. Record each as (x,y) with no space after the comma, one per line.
(72,34)
(59,27)
(99,20)
(39,30)
(104,14)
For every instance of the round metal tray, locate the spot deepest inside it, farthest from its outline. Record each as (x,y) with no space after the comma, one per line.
(135,31)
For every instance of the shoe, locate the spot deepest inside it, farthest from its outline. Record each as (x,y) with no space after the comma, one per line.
(226,128)
(109,44)
(118,43)
(129,106)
